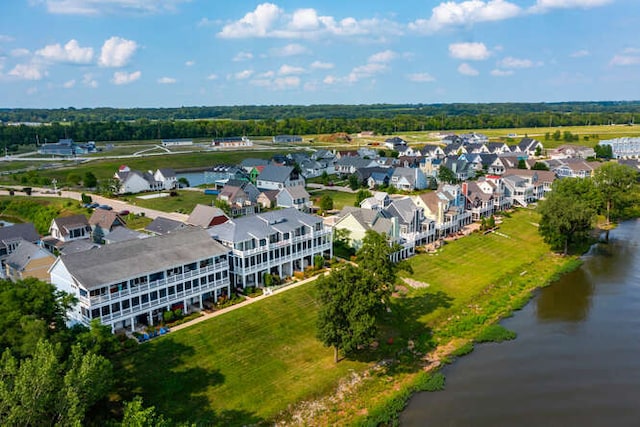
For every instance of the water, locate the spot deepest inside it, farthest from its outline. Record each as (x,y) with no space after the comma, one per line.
(195,178)
(576,361)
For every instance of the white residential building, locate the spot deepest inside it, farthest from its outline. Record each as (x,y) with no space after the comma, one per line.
(130,283)
(279,242)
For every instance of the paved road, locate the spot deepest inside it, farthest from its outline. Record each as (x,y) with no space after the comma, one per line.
(116,204)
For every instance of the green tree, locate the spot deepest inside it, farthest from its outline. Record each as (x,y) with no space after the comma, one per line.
(184,182)
(446,175)
(603,151)
(522,164)
(354,184)
(326,202)
(73,178)
(614,183)
(98,235)
(540,166)
(567,213)
(324,178)
(136,415)
(90,180)
(361,195)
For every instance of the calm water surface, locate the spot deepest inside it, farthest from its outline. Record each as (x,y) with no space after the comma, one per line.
(576,361)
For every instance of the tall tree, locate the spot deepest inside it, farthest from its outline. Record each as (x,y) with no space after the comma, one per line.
(361,195)
(326,202)
(568,212)
(614,183)
(446,175)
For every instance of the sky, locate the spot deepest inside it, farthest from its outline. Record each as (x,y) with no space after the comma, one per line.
(172,53)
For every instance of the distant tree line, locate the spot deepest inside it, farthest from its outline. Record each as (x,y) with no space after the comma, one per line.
(144,124)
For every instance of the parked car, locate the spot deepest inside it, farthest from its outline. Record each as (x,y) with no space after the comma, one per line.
(93,205)
(105,207)
(124,212)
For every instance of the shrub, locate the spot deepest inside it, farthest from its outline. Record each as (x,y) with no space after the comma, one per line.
(167,316)
(463,350)
(298,275)
(495,333)
(178,313)
(318,262)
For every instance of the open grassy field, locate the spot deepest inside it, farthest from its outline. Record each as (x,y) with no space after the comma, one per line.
(340,198)
(183,203)
(253,363)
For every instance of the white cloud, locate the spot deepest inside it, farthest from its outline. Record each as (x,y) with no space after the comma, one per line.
(319,65)
(69,84)
(501,73)
(542,6)
(190,63)
(242,56)
(286,70)
(5,38)
(384,56)
(212,77)
(511,62)
(166,80)
(89,81)
(279,83)
(123,78)
(580,53)
(70,52)
(469,51)
(116,52)
(624,60)
(467,70)
(242,75)
(266,75)
(366,70)
(421,78)
(292,49)
(269,20)
(99,7)
(20,52)
(31,71)
(451,14)
(329,80)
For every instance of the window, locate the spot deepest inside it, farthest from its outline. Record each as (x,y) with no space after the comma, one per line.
(163,293)
(105,310)
(135,301)
(263,242)
(115,307)
(95,313)
(83,293)
(187,285)
(154,295)
(125,304)
(180,287)
(172,290)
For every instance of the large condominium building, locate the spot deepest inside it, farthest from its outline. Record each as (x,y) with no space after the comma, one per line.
(131,283)
(278,242)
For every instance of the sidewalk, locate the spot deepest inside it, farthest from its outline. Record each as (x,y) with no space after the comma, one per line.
(246,302)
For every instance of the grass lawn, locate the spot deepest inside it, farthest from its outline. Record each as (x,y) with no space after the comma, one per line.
(184,202)
(340,198)
(239,368)
(252,364)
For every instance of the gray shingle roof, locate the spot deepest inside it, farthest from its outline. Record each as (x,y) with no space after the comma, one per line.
(25,252)
(122,234)
(162,225)
(121,261)
(275,173)
(202,215)
(25,231)
(70,222)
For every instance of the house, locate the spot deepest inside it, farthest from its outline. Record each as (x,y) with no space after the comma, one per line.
(623,148)
(432,151)
(239,193)
(576,168)
(525,186)
(572,151)
(532,147)
(206,216)
(161,226)
(497,148)
(267,199)
(294,197)
(103,222)
(379,177)
(349,165)
(357,221)
(479,198)
(408,179)
(64,147)
(394,142)
(220,174)
(275,177)
(12,235)
(279,242)
(232,142)
(122,234)
(286,139)
(131,283)
(29,260)
(378,201)
(68,228)
(74,246)
(415,228)
(167,177)
(175,142)
(462,169)
(446,206)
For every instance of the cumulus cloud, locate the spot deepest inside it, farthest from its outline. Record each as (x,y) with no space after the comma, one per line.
(501,73)
(469,51)
(70,52)
(542,6)
(279,83)
(384,56)
(467,70)
(116,52)
(269,20)
(69,84)
(166,80)
(580,53)
(20,52)
(190,63)
(367,70)
(242,75)
(467,13)
(30,71)
(100,7)
(292,49)
(212,77)
(329,80)
(421,78)
(319,65)
(89,81)
(123,78)
(511,62)
(242,56)
(286,70)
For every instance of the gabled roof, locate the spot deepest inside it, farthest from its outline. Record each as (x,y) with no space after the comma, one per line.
(296,192)
(203,215)
(274,173)
(122,234)
(71,222)
(404,209)
(251,162)
(162,225)
(368,219)
(121,261)
(25,252)
(105,219)
(270,194)
(26,231)
(167,173)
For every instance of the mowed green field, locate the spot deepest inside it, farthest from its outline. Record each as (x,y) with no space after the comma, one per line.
(184,202)
(340,198)
(240,368)
(253,363)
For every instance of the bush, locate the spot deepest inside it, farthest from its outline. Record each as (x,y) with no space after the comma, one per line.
(167,316)
(463,350)
(495,333)
(298,275)
(318,262)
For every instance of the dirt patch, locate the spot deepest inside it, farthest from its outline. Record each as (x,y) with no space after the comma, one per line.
(415,283)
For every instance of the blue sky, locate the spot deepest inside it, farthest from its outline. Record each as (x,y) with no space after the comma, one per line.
(169,53)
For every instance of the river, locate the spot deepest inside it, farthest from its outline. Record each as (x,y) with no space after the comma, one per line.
(576,361)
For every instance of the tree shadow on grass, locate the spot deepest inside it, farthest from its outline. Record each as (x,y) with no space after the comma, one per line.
(157,371)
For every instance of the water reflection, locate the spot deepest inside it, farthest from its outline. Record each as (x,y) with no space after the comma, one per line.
(568,300)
